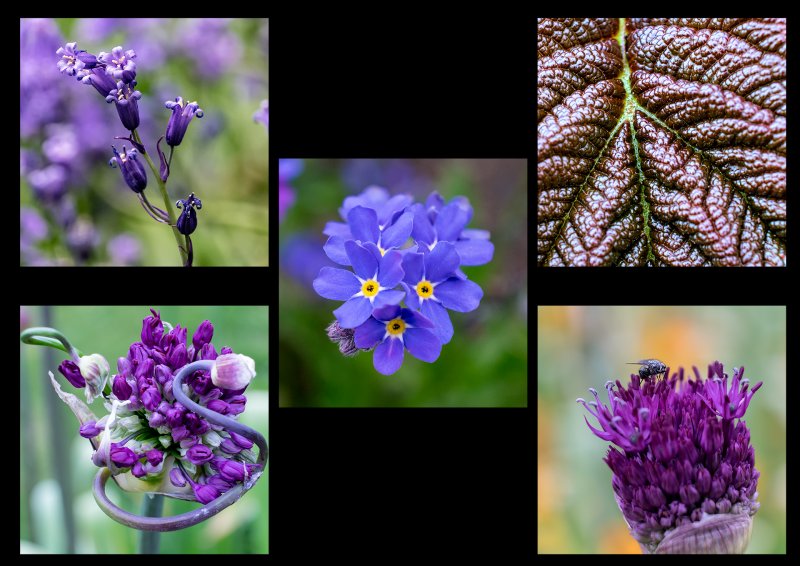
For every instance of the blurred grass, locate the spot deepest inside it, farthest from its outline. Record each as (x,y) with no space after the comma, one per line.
(241,528)
(582,347)
(485,364)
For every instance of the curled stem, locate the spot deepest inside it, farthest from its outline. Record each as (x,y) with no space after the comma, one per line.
(45,336)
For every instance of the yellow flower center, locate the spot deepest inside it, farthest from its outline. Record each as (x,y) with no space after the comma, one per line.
(396,326)
(425,289)
(370,288)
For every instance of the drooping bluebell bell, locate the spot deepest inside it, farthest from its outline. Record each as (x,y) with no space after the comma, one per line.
(74,60)
(182,114)
(125,99)
(187,221)
(132,170)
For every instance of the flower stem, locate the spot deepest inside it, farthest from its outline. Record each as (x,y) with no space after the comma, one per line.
(170,209)
(45,336)
(152,506)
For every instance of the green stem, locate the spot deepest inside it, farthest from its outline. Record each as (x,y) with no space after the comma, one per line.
(152,506)
(44,336)
(173,220)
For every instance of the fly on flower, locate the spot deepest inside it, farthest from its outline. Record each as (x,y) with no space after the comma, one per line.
(651,368)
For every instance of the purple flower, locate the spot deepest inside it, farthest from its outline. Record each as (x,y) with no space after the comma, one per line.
(205,493)
(241,440)
(90,429)
(70,370)
(73,60)
(182,114)
(684,463)
(122,457)
(262,115)
(199,454)
(125,99)
(138,470)
(132,170)
(230,447)
(436,222)
(124,249)
(203,335)
(187,221)
(235,471)
(394,330)
(154,457)
(233,371)
(150,398)
(152,329)
(431,287)
(364,226)
(288,169)
(370,287)
(101,82)
(119,64)
(219,482)
(176,477)
(121,388)
(49,184)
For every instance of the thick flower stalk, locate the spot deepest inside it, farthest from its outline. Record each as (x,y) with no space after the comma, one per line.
(399,252)
(683,467)
(171,427)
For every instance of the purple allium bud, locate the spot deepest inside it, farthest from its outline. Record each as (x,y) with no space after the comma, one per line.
(219,406)
(163,374)
(232,470)
(124,366)
(178,357)
(685,477)
(132,170)
(145,369)
(121,388)
(208,352)
(122,457)
(154,457)
(179,433)
(72,372)
(219,482)
(138,470)
(205,493)
(176,477)
(182,114)
(241,440)
(125,99)
(230,447)
(233,371)
(152,329)
(226,350)
(101,82)
(236,404)
(119,64)
(174,417)
(94,369)
(199,454)
(151,398)
(203,335)
(90,429)
(156,420)
(187,221)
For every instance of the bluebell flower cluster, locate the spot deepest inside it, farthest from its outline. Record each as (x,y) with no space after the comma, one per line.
(405,261)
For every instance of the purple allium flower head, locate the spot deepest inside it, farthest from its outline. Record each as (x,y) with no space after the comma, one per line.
(391,330)
(685,467)
(125,99)
(371,286)
(72,372)
(119,64)
(90,429)
(431,287)
(182,114)
(262,115)
(132,170)
(187,221)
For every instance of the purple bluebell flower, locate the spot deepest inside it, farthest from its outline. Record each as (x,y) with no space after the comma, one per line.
(50,183)
(262,114)
(432,287)
(100,80)
(72,372)
(371,286)
(73,60)
(391,330)
(437,221)
(187,221)
(119,64)
(684,475)
(182,114)
(132,170)
(125,99)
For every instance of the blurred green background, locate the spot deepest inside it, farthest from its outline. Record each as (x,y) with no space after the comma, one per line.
(223,158)
(582,347)
(241,528)
(485,365)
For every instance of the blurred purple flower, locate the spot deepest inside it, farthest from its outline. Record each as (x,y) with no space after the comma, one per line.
(61,145)
(49,184)
(32,227)
(262,114)
(288,169)
(82,239)
(124,249)
(302,257)
(211,45)
(398,175)
(41,99)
